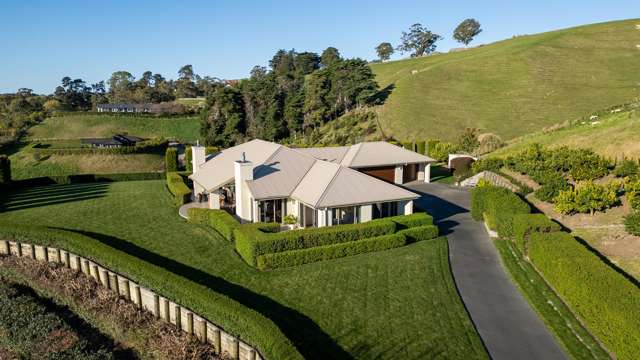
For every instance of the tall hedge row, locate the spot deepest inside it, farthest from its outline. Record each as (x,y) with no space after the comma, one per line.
(87,178)
(212,303)
(5,170)
(606,300)
(497,206)
(177,187)
(171,160)
(420,147)
(409,221)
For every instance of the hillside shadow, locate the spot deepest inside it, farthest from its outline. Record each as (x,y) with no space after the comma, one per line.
(310,340)
(28,200)
(381,96)
(96,340)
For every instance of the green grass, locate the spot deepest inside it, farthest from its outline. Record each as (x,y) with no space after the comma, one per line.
(87,126)
(512,87)
(574,338)
(614,135)
(400,303)
(439,173)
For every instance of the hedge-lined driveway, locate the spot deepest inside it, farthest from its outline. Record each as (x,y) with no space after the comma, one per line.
(508,326)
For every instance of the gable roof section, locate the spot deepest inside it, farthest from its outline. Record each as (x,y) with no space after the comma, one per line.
(219,170)
(279,175)
(315,182)
(380,153)
(332,154)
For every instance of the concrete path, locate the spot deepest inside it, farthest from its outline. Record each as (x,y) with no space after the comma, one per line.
(508,326)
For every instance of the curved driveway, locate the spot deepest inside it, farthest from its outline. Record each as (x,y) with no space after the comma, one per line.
(508,326)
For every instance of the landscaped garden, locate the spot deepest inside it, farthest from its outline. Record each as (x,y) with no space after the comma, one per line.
(394,303)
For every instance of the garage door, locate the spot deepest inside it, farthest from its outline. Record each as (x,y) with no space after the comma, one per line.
(386,173)
(410,173)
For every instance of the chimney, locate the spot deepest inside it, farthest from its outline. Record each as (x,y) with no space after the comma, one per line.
(198,156)
(243,171)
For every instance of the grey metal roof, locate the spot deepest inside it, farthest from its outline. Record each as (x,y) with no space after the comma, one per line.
(381,153)
(330,153)
(315,182)
(279,175)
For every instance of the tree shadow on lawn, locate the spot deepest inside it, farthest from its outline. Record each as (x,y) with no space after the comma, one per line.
(310,340)
(16,201)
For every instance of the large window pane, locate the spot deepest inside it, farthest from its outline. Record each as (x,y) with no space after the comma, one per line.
(345,215)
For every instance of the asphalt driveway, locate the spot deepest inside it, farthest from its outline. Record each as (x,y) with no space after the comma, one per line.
(508,326)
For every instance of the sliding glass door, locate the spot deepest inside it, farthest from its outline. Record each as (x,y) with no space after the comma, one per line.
(271,210)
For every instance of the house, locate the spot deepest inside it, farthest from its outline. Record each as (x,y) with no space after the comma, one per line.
(128,108)
(261,181)
(114,142)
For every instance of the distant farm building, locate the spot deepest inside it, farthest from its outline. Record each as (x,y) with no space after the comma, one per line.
(124,108)
(114,142)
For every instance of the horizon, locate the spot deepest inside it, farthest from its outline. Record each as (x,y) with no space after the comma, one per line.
(221,53)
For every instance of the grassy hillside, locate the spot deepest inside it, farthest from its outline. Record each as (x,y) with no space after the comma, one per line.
(512,87)
(614,135)
(85,126)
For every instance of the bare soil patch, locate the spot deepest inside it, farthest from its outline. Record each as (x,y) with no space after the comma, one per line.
(522,178)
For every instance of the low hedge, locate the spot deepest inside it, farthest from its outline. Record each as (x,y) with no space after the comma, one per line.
(327,252)
(86,178)
(525,224)
(224,223)
(409,221)
(497,206)
(179,189)
(218,307)
(606,300)
(253,241)
(148,147)
(419,233)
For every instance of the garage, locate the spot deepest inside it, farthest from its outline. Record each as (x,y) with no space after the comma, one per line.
(409,173)
(386,173)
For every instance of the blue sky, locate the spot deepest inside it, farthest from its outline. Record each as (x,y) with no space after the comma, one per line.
(43,41)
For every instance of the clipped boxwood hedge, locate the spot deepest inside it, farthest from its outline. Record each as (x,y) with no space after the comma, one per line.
(419,233)
(252,240)
(606,300)
(327,252)
(497,206)
(223,222)
(525,224)
(248,324)
(198,216)
(177,187)
(409,221)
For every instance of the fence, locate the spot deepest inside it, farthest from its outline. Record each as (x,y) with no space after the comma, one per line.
(161,307)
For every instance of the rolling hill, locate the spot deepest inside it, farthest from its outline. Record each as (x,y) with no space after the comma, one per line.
(512,87)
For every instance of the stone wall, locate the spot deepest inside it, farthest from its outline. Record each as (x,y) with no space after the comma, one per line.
(161,307)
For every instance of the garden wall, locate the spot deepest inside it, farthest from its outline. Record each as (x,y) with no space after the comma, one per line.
(147,299)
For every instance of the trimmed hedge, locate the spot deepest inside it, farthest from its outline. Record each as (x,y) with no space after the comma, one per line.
(253,241)
(605,299)
(327,252)
(171,160)
(87,178)
(409,221)
(250,325)
(224,223)
(178,188)
(497,206)
(420,147)
(5,170)
(526,224)
(419,233)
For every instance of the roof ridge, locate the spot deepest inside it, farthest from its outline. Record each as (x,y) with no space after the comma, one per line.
(357,146)
(306,172)
(324,192)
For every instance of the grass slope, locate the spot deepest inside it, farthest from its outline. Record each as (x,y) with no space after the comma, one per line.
(512,87)
(400,303)
(614,135)
(87,126)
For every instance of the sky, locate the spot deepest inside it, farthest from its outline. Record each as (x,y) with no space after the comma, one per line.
(43,41)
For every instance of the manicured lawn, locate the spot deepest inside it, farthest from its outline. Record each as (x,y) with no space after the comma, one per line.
(393,304)
(87,126)
(571,334)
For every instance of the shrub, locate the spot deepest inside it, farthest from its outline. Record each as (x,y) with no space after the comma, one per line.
(420,233)
(633,194)
(497,206)
(468,140)
(252,240)
(223,222)
(178,188)
(526,224)
(290,219)
(441,151)
(327,252)
(171,160)
(431,145)
(586,198)
(409,221)
(551,189)
(632,223)
(420,147)
(601,296)
(489,142)
(5,170)
(627,168)
(488,164)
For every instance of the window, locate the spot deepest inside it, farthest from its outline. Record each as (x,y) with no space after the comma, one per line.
(382,210)
(344,215)
(271,210)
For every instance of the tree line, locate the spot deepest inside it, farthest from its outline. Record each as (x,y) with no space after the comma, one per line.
(297,93)
(420,41)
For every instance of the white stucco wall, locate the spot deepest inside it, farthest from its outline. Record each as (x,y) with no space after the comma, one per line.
(243,171)
(366,213)
(214,200)
(398,174)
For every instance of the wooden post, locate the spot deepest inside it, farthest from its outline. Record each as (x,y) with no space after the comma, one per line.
(190,323)
(59,254)
(178,313)
(116,284)
(97,274)
(46,253)
(252,354)
(236,349)
(127,290)
(106,276)
(217,341)
(87,269)
(33,251)
(19,249)
(7,247)
(167,316)
(203,331)
(138,297)
(156,306)
(78,265)
(67,260)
